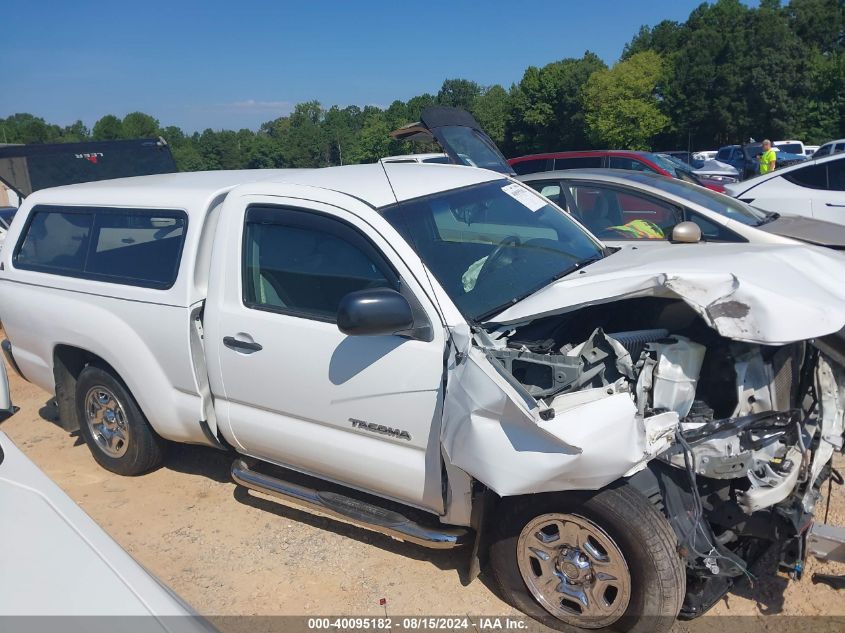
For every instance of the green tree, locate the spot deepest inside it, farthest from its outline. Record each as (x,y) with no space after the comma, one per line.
(417,104)
(705,92)
(819,24)
(665,37)
(491,109)
(75,132)
(188,158)
(777,86)
(139,125)
(301,137)
(107,128)
(263,153)
(621,105)
(341,127)
(27,128)
(174,136)
(374,140)
(458,93)
(546,107)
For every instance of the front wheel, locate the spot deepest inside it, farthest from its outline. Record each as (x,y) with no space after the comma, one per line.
(606,561)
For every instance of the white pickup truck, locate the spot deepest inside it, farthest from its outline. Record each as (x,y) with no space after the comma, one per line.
(449,358)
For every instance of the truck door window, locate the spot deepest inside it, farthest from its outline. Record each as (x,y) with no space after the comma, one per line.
(301,263)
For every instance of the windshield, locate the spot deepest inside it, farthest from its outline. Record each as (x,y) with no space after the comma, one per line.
(716,202)
(492,244)
(792,148)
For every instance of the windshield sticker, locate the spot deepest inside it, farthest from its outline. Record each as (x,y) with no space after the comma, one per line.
(524,196)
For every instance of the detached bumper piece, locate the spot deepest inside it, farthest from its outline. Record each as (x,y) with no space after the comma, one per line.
(351,510)
(826,542)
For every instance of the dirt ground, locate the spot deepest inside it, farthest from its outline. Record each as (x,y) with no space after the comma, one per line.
(228,552)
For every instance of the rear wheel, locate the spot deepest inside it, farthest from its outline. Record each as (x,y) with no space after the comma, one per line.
(117,433)
(604,562)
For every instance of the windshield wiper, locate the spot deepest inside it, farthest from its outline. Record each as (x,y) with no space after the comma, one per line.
(559,275)
(770,217)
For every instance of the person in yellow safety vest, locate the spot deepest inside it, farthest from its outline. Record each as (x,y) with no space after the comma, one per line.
(640,229)
(767,158)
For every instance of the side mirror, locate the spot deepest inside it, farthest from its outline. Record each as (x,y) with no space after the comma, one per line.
(374,312)
(686,233)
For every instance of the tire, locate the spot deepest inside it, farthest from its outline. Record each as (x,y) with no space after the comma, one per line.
(622,524)
(121,441)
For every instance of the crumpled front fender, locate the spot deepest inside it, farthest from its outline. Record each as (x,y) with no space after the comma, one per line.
(496,434)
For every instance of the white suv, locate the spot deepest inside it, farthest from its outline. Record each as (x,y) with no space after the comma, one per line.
(831,147)
(815,189)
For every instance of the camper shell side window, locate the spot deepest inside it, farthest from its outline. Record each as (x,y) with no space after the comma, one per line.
(135,247)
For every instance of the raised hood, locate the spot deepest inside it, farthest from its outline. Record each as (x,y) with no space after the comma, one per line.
(767,294)
(807,230)
(460,136)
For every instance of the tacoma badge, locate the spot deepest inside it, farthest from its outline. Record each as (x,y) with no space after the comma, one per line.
(380,428)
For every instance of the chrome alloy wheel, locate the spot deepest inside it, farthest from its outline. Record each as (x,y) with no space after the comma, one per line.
(107,421)
(574,570)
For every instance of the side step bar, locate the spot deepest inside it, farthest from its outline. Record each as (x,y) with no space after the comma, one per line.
(354,511)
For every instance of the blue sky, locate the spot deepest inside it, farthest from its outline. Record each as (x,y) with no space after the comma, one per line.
(237,64)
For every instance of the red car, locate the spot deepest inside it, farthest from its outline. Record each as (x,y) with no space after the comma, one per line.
(612,159)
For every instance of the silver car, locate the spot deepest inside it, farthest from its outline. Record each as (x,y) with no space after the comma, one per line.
(623,206)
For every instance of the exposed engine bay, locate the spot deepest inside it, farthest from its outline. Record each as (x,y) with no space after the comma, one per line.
(748,430)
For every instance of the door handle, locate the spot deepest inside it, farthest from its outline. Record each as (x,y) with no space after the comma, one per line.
(241,346)
(830,204)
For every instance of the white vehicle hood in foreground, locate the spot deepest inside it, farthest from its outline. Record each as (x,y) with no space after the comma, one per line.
(59,562)
(767,294)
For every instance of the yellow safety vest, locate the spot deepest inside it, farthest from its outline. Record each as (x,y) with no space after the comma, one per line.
(766,158)
(641,229)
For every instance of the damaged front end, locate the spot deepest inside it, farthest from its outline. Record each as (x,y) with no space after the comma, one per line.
(731,439)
